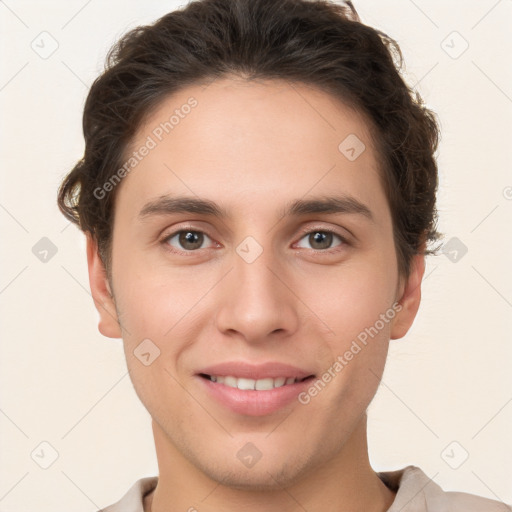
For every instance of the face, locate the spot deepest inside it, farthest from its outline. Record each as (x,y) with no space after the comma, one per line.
(250,250)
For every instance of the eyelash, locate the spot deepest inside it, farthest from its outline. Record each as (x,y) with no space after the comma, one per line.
(185,229)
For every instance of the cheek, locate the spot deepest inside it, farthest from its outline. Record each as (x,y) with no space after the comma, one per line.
(352,297)
(153,300)
(155,310)
(360,312)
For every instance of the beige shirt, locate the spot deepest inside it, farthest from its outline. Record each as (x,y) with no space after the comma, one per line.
(415,492)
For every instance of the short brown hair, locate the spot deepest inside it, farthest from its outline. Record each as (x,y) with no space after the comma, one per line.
(314,42)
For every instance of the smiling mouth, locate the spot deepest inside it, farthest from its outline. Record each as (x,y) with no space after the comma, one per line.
(245,384)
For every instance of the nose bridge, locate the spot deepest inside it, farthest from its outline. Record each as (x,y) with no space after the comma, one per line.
(255,276)
(256,284)
(257,302)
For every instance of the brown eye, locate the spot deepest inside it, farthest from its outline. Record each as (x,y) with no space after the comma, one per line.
(187,240)
(321,239)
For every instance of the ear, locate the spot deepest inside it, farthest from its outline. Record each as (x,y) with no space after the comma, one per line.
(101,292)
(409,297)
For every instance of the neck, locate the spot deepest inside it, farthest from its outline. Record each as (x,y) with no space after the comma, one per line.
(345,483)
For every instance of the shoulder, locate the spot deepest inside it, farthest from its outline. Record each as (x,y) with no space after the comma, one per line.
(132,501)
(462,501)
(416,492)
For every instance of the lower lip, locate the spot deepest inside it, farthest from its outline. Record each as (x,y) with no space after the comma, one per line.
(252,402)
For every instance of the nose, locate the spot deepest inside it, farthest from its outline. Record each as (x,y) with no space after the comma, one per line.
(256,302)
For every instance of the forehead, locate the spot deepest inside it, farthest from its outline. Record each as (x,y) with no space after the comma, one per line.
(233,140)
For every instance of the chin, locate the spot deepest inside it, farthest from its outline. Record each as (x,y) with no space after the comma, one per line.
(263,478)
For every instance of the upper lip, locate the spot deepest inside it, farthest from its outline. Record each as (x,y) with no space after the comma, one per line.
(255,371)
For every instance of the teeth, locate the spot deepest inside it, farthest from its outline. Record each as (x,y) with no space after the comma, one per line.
(247,384)
(265,384)
(280,381)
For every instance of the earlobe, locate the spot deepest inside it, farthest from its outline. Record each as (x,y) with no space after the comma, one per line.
(410,298)
(101,292)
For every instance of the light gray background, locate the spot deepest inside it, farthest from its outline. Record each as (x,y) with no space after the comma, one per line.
(447,381)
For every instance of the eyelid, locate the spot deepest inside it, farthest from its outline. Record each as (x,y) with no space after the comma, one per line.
(308,229)
(171,234)
(323,229)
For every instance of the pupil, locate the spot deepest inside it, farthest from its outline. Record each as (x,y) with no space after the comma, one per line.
(323,239)
(191,240)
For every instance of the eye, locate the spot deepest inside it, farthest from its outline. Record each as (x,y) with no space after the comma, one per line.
(186,240)
(190,240)
(321,239)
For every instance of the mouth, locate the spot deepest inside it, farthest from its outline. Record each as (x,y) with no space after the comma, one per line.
(251,389)
(246,384)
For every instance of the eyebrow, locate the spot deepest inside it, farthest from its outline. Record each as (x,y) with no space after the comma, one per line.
(166,205)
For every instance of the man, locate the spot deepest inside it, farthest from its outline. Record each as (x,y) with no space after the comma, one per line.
(258,193)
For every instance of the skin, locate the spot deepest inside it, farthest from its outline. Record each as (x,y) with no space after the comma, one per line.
(253,147)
